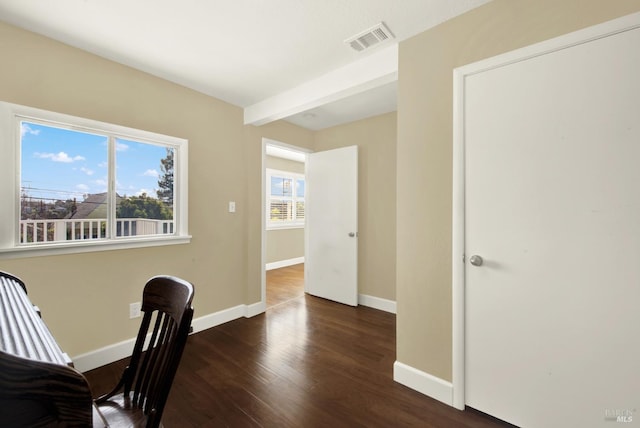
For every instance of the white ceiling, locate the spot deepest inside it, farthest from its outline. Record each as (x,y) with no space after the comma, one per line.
(240,51)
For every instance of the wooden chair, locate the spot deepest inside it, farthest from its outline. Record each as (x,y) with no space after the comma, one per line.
(139,398)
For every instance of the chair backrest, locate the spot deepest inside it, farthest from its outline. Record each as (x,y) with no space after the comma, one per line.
(166,304)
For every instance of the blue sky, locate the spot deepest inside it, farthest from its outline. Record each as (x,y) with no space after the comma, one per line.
(62,164)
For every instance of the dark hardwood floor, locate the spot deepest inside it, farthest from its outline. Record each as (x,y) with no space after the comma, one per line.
(306,362)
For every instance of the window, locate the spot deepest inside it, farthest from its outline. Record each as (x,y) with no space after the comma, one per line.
(81,183)
(285,199)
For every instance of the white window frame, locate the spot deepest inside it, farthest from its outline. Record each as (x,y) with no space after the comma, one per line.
(10,162)
(291,224)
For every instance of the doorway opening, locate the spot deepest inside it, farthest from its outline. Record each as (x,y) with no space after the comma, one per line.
(283,234)
(284,284)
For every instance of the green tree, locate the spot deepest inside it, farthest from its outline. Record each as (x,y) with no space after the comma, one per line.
(165,193)
(143,206)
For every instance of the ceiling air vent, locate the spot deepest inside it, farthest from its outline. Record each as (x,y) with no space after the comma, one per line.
(375,35)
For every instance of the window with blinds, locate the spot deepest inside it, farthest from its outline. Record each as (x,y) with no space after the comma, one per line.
(285,199)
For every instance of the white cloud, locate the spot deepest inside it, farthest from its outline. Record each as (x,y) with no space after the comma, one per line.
(26,129)
(121,147)
(151,173)
(87,171)
(59,157)
(82,188)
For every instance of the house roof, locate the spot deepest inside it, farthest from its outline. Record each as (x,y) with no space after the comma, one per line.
(93,206)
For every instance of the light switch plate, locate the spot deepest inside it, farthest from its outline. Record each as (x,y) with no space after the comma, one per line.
(134,309)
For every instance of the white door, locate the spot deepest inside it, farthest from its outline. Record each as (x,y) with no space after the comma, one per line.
(552,197)
(331,229)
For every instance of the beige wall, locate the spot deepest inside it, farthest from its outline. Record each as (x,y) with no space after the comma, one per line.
(376,141)
(284,244)
(85,297)
(376,138)
(424,153)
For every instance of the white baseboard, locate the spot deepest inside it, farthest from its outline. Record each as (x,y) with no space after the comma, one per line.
(255,309)
(424,383)
(102,356)
(284,263)
(377,303)
(118,351)
(217,318)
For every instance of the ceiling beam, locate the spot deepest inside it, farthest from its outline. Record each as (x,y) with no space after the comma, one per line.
(362,75)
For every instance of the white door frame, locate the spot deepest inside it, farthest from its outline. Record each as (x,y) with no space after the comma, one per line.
(263,217)
(458,232)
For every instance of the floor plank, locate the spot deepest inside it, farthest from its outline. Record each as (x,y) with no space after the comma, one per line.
(306,362)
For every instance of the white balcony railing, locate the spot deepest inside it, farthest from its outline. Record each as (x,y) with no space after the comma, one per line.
(41,231)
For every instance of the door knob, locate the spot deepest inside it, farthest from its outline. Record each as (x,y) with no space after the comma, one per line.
(352,234)
(476,260)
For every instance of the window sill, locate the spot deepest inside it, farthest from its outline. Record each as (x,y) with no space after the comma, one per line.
(90,246)
(286,226)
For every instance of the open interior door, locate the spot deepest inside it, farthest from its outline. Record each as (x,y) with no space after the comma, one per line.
(331,229)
